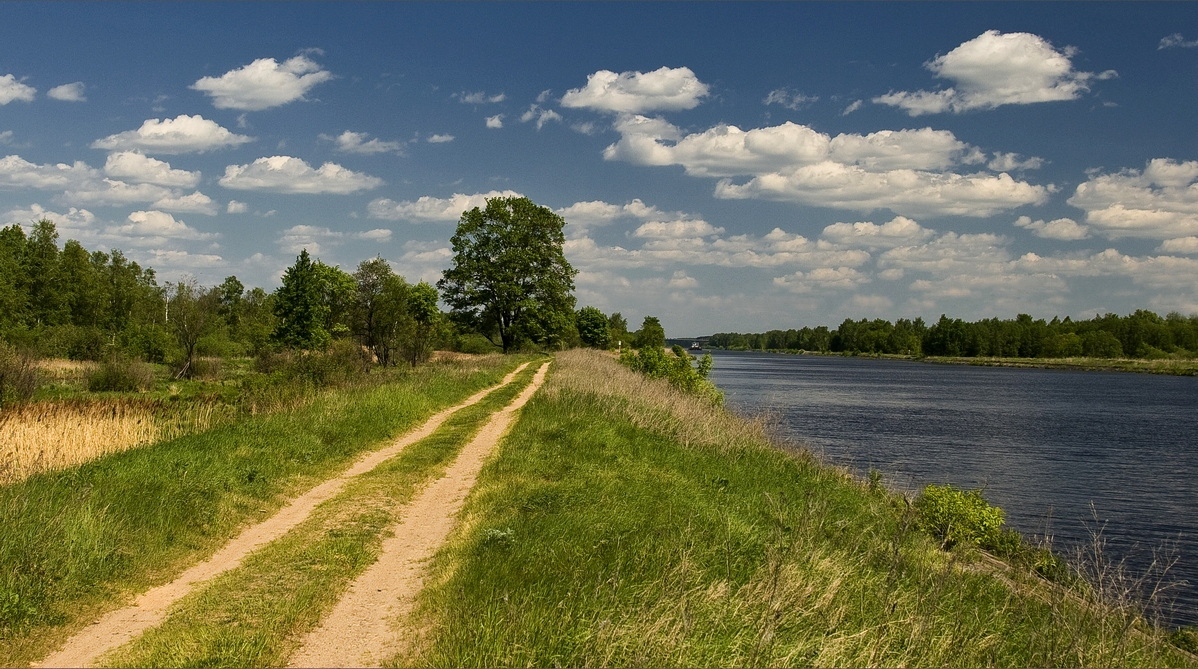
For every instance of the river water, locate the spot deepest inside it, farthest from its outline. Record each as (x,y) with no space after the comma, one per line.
(1064,453)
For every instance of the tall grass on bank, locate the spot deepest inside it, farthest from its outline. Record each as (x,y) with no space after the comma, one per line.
(625,523)
(76,541)
(51,436)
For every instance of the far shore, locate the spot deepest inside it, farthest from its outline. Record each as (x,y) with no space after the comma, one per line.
(1167,366)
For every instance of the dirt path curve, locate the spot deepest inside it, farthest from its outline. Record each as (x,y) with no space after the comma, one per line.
(364,628)
(148,610)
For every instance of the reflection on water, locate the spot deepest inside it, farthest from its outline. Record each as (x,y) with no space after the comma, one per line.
(1042,444)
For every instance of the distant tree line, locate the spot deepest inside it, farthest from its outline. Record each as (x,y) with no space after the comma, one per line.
(510,288)
(1142,334)
(72,303)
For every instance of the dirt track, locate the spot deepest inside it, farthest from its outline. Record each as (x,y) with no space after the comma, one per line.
(150,608)
(365,628)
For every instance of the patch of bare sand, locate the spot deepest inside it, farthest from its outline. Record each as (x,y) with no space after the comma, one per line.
(149,609)
(365,627)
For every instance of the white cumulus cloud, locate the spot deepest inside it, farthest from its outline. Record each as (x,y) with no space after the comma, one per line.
(152,228)
(11,89)
(898,231)
(1181,245)
(182,134)
(357,142)
(16,172)
(287,174)
(681,229)
(995,69)
(479,98)
(139,168)
(822,278)
(908,171)
(263,84)
(318,238)
(1063,229)
(1158,202)
(428,209)
(73,92)
(495,121)
(664,89)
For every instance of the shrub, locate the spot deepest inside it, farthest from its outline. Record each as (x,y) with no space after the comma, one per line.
(121,375)
(208,369)
(151,343)
(19,379)
(678,367)
(959,517)
(474,343)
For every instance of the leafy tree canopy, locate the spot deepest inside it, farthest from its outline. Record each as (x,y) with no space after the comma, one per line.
(509,278)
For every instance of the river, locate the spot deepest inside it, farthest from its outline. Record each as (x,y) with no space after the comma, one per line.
(1064,453)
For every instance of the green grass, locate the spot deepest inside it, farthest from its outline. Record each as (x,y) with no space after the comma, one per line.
(78,541)
(254,615)
(625,524)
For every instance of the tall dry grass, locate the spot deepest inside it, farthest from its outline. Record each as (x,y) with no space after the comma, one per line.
(652,404)
(49,436)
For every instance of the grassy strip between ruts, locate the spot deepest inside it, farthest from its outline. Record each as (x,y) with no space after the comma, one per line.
(625,524)
(254,615)
(79,541)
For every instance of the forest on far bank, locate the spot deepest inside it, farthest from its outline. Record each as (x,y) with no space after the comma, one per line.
(1143,334)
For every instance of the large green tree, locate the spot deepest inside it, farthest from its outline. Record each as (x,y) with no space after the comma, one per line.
(509,278)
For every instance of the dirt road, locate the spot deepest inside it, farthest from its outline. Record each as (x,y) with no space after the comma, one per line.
(366,626)
(149,609)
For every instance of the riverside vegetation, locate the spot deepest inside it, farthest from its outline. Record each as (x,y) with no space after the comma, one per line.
(624,520)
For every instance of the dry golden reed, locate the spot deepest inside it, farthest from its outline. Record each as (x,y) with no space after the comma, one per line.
(48,436)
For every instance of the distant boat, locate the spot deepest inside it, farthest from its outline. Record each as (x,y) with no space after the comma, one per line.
(696,346)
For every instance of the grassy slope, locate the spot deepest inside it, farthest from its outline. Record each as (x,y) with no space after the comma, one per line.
(76,542)
(624,524)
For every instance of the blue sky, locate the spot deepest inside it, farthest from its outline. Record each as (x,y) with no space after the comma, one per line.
(723,166)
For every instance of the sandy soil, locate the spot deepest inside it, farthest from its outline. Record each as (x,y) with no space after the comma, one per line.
(366,627)
(149,609)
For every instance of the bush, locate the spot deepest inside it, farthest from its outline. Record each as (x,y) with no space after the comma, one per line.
(19,379)
(344,361)
(121,375)
(959,517)
(474,344)
(679,368)
(71,341)
(208,369)
(151,343)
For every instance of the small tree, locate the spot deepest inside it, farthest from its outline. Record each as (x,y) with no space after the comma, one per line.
(192,312)
(424,323)
(592,327)
(370,306)
(617,331)
(651,334)
(300,307)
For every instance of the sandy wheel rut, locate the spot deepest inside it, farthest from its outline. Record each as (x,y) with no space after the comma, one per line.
(365,627)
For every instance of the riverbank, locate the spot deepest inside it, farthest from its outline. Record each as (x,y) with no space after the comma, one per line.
(625,523)
(1167,366)
(621,522)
